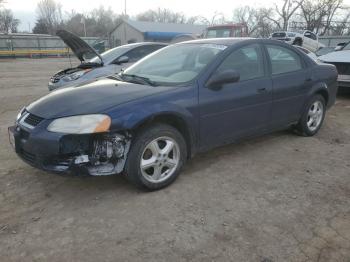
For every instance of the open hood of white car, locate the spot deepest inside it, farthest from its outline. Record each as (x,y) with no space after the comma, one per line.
(79,47)
(336,57)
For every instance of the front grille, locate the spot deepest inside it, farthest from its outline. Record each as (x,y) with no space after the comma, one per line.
(28,156)
(342,68)
(24,134)
(33,120)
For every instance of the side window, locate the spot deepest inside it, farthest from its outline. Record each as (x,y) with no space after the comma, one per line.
(283,60)
(141,51)
(247,61)
(307,34)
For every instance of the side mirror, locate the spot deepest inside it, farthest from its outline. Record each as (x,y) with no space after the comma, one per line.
(218,80)
(122,60)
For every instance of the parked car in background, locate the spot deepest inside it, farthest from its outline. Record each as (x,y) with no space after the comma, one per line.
(306,39)
(308,52)
(341,59)
(107,63)
(186,98)
(324,50)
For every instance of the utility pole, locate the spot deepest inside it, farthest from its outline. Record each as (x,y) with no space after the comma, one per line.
(83,22)
(125,8)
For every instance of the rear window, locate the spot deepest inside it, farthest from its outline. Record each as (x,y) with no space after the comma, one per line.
(280,34)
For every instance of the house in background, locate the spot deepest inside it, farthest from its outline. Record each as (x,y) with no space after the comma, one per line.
(130,31)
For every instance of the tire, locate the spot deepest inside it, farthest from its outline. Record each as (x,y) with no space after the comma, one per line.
(151,163)
(298,42)
(310,123)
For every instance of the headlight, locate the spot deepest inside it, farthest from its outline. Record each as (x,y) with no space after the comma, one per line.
(83,124)
(75,76)
(20,113)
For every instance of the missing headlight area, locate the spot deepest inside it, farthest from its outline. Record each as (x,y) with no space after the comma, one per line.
(98,155)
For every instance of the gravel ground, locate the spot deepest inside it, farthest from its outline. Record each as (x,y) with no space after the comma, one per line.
(279,197)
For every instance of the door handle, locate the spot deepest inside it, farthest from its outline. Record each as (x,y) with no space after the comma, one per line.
(261,89)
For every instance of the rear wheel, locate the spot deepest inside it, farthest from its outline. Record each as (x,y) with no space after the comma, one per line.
(313,116)
(156,157)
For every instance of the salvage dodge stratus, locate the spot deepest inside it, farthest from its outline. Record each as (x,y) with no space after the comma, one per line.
(189,97)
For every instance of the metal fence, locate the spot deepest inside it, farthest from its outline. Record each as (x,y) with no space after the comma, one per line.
(332,41)
(29,45)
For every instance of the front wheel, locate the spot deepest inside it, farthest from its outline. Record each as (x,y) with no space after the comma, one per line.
(313,116)
(156,157)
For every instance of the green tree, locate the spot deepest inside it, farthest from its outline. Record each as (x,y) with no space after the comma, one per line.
(40,27)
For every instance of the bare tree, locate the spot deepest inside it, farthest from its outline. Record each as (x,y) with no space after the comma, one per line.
(8,23)
(319,15)
(256,19)
(248,16)
(217,18)
(51,12)
(98,22)
(284,12)
(164,15)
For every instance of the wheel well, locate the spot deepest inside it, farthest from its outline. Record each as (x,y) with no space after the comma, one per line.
(325,95)
(298,39)
(174,121)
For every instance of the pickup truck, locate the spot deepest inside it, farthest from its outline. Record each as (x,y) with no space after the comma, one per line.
(306,39)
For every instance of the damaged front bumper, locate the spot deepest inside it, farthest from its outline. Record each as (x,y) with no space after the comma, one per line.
(92,154)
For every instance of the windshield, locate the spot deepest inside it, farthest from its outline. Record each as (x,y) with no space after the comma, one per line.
(176,64)
(217,33)
(346,47)
(111,54)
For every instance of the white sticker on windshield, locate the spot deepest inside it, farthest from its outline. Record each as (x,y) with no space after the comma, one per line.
(215,46)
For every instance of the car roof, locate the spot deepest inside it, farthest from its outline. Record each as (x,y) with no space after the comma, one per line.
(228,41)
(143,43)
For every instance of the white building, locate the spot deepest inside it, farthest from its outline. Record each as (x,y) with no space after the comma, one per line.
(130,31)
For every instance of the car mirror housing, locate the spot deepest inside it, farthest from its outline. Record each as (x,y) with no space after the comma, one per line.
(122,60)
(218,80)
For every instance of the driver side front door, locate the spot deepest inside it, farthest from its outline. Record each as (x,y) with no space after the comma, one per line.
(237,109)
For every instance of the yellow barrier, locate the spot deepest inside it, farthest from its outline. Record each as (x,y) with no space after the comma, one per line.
(35,52)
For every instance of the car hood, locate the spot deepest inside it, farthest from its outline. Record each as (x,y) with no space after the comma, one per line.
(78,45)
(92,98)
(336,57)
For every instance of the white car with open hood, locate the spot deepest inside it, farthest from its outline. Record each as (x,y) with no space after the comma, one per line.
(341,59)
(108,63)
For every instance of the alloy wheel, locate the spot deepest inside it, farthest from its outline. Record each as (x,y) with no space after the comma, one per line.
(160,159)
(315,115)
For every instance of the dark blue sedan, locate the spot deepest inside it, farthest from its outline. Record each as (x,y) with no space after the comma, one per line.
(183,99)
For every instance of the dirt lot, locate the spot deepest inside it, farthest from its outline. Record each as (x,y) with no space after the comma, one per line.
(276,198)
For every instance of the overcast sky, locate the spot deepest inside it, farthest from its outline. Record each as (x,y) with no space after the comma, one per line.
(25,9)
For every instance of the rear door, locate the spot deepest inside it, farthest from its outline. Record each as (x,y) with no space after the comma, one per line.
(237,109)
(291,80)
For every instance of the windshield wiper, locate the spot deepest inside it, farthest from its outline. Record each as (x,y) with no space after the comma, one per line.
(116,77)
(138,79)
